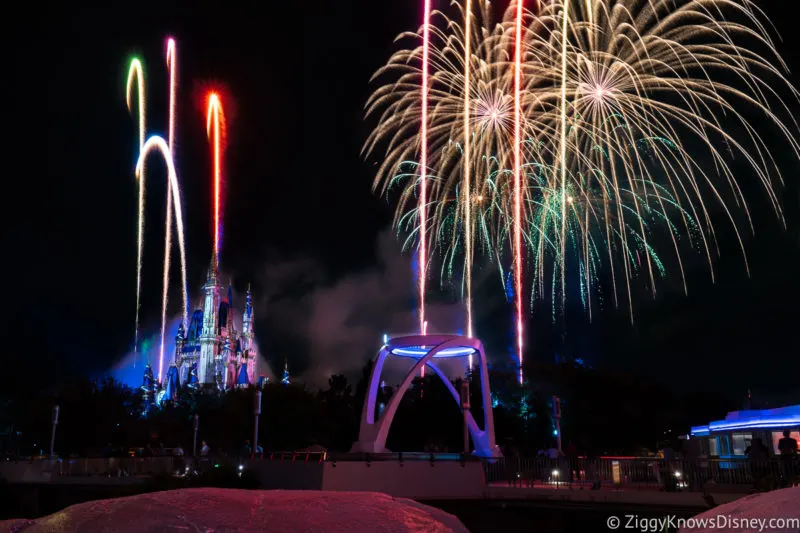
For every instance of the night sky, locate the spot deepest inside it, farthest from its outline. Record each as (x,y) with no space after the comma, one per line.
(301,222)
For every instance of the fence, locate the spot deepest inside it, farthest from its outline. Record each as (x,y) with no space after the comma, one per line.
(140,466)
(621,473)
(642,473)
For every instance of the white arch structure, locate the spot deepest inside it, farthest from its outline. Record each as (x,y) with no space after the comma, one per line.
(424,348)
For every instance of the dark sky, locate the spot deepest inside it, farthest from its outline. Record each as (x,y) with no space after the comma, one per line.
(301,223)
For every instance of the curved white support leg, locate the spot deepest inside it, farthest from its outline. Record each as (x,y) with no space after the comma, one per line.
(373,434)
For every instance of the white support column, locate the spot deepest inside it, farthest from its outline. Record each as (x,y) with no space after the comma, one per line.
(373,433)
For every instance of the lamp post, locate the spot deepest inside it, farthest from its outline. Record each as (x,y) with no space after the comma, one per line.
(557,416)
(256,412)
(196,427)
(53,434)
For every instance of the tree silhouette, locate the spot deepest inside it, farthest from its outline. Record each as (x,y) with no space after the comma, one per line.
(603,413)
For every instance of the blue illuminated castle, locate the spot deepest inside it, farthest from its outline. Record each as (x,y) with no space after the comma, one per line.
(211,353)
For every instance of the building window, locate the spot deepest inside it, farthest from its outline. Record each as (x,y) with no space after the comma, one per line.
(725,447)
(778,435)
(741,441)
(713,446)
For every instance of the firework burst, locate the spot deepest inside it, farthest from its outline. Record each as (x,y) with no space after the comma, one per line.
(581,130)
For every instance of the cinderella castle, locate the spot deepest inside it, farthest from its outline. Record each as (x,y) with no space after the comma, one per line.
(211,354)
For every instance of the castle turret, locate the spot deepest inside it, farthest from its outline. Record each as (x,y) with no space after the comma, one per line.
(247,344)
(148,387)
(172,385)
(180,342)
(247,318)
(286,380)
(209,338)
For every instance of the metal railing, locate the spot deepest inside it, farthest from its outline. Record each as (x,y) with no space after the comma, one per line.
(120,466)
(718,475)
(643,473)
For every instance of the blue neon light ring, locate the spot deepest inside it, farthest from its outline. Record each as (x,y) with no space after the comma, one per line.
(422,351)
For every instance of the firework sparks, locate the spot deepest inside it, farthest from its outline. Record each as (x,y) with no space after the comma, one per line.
(159,145)
(518,192)
(215,124)
(468,200)
(572,125)
(172,67)
(563,143)
(136,76)
(423,188)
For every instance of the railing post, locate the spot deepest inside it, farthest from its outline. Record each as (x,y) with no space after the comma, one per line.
(256,412)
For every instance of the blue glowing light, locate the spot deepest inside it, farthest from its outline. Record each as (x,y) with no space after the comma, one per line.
(783,417)
(509,286)
(385,338)
(421,351)
(555,433)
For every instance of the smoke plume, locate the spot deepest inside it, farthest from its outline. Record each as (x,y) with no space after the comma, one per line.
(341,322)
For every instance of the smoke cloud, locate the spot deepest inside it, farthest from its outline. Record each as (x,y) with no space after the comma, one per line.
(341,322)
(320,323)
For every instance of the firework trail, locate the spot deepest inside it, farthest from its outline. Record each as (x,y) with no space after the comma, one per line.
(172,67)
(518,185)
(215,127)
(158,144)
(467,161)
(136,76)
(591,127)
(563,143)
(468,194)
(423,194)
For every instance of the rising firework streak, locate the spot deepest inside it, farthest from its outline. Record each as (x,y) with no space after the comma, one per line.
(215,124)
(136,76)
(172,67)
(423,168)
(518,185)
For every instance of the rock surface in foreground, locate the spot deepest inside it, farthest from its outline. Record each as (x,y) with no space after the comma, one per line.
(754,513)
(244,511)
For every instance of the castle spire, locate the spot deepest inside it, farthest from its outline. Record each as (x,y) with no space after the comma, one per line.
(247,318)
(286,378)
(212,278)
(210,341)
